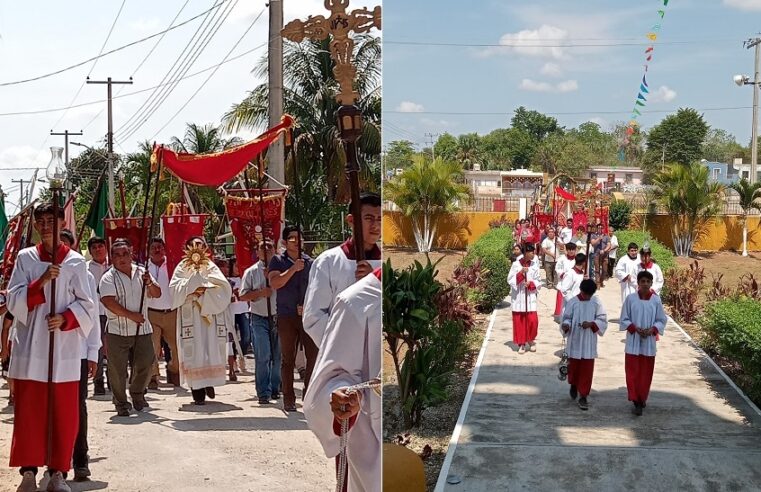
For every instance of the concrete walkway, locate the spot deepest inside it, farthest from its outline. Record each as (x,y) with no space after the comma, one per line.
(523,432)
(230,444)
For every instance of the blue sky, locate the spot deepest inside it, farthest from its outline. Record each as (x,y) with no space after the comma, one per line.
(421,81)
(43,36)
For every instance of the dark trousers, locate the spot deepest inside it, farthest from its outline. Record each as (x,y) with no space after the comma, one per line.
(198,394)
(142,366)
(81,459)
(98,379)
(290,329)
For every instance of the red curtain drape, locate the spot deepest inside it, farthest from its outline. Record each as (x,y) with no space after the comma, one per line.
(220,167)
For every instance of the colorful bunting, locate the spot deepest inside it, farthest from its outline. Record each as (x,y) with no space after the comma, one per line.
(640,96)
(643,88)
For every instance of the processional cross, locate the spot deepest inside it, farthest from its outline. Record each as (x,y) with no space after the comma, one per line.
(340,25)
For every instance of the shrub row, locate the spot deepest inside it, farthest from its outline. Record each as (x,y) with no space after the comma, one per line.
(493,248)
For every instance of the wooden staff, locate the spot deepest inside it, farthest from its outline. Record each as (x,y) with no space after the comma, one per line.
(589,239)
(123,197)
(51,336)
(260,171)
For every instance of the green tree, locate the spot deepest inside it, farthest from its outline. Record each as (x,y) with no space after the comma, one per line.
(563,153)
(309,96)
(536,124)
(446,147)
(203,139)
(399,154)
(495,149)
(691,200)
(633,145)
(602,145)
(750,199)
(468,150)
(721,146)
(427,192)
(678,138)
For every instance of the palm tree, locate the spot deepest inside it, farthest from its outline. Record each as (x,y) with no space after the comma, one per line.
(203,139)
(750,199)
(691,199)
(425,192)
(309,96)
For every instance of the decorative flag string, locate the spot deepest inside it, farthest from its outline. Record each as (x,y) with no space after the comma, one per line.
(644,88)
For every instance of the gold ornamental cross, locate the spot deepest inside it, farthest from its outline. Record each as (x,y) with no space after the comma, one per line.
(340,24)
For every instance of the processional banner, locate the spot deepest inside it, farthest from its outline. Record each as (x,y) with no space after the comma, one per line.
(16,228)
(178,229)
(133,229)
(245,216)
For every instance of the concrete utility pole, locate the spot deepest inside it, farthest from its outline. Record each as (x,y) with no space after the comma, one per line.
(110,135)
(754,43)
(432,143)
(276,153)
(66,134)
(21,191)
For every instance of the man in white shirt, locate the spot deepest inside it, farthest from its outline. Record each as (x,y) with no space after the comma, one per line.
(626,271)
(121,291)
(566,233)
(551,253)
(612,251)
(337,268)
(98,266)
(90,348)
(162,317)
(267,354)
(239,309)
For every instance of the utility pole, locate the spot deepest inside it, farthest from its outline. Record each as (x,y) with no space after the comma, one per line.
(66,134)
(754,43)
(110,135)
(276,154)
(429,140)
(21,191)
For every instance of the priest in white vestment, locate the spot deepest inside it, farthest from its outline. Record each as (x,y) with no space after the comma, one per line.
(643,318)
(584,319)
(350,354)
(337,268)
(29,294)
(626,271)
(202,293)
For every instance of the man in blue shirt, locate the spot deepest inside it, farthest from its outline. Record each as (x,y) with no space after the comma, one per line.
(288,275)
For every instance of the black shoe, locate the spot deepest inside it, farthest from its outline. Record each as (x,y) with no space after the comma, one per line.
(264,401)
(199,402)
(302,374)
(81,473)
(99,389)
(122,412)
(637,410)
(139,404)
(290,408)
(583,403)
(574,392)
(275,396)
(210,392)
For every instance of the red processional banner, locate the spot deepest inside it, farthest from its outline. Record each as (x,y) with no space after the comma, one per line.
(133,229)
(178,229)
(220,167)
(245,216)
(16,228)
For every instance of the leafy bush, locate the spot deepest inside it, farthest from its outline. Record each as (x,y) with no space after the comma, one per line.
(661,254)
(452,305)
(620,214)
(493,249)
(733,328)
(683,285)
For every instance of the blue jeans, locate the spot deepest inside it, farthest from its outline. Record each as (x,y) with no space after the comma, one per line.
(243,325)
(267,357)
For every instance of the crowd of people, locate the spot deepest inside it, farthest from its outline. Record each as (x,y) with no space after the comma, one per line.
(580,313)
(113,320)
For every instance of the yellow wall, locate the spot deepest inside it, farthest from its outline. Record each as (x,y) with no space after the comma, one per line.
(462,229)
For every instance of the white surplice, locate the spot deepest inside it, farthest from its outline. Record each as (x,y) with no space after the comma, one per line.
(202,323)
(91,345)
(627,267)
(518,291)
(642,313)
(330,274)
(570,286)
(29,358)
(657,273)
(582,342)
(351,353)
(563,266)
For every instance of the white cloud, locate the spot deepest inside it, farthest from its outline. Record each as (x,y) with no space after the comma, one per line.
(747,5)
(529,42)
(536,86)
(551,70)
(410,107)
(663,94)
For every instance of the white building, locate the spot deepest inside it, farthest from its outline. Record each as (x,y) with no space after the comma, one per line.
(518,182)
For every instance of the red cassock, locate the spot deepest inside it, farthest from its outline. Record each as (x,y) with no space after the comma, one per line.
(525,327)
(639,376)
(580,373)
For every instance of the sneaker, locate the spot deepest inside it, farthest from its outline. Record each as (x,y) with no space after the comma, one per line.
(57,483)
(521,349)
(583,403)
(81,473)
(264,401)
(210,392)
(28,483)
(532,346)
(275,396)
(199,402)
(574,392)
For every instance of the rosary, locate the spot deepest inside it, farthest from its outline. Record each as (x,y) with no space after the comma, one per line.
(375,385)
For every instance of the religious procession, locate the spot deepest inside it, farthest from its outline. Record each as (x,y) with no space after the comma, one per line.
(154,299)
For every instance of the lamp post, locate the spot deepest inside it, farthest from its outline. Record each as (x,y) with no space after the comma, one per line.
(742,80)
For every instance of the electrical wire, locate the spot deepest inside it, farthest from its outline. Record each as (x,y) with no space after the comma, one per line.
(141,116)
(115,50)
(210,76)
(567,113)
(526,44)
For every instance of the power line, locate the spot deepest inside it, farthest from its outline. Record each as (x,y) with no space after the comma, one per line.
(133,43)
(210,76)
(140,65)
(505,113)
(530,44)
(99,101)
(138,120)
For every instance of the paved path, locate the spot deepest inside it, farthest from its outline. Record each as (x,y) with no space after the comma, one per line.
(230,444)
(523,432)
